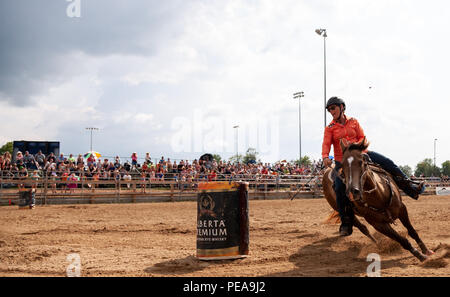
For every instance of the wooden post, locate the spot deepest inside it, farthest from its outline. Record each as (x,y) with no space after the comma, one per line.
(82,184)
(265,191)
(118,189)
(1,183)
(171,192)
(45,189)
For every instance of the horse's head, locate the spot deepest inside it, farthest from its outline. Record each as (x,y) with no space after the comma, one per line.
(353,165)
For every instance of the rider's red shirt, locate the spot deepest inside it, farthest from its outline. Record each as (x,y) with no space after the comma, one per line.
(335,131)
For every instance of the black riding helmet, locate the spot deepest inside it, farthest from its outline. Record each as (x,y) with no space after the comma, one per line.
(335,101)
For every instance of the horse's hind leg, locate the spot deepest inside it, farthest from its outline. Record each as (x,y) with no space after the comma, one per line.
(387,230)
(363,228)
(404,218)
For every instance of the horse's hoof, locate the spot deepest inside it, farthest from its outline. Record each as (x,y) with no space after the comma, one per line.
(429,253)
(345,229)
(345,232)
(422,257)
(419,255)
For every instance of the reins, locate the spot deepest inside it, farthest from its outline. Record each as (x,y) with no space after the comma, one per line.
(363,181)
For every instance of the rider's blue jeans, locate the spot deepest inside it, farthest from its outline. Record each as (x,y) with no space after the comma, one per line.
(386,163)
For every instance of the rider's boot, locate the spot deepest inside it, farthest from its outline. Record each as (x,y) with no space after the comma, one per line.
(344,208)
(346,228)
(411,188)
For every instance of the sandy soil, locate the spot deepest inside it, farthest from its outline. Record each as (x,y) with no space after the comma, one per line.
(287,238)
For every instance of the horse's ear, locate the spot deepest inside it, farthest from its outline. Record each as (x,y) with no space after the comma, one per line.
(364,143)
(344,144)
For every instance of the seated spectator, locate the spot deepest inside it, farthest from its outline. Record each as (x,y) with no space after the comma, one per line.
(60,159)
(29,161)
(80,159)
(98,164)
(40,158)
(72,159)
(111,168)
(117,162)
(212,176)
(105,164)
(148,160)
(127,177)
(90,160)
(19,157)
(116,175)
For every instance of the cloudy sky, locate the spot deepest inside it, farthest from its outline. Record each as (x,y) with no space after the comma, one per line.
(173,78)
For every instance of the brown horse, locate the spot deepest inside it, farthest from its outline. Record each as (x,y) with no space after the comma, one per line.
(374,196)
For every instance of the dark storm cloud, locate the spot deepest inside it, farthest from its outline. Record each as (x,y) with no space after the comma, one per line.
(38,38)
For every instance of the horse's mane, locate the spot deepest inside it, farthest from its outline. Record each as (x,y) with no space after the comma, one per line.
(360,146)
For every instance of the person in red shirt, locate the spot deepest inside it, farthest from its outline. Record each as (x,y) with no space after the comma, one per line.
(343,127)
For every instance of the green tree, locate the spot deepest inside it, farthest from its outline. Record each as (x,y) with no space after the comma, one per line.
(406,169)
(427,168)
(236,158)
(446,168)
(8,147)
(250,156)
(304,161)
(217,157)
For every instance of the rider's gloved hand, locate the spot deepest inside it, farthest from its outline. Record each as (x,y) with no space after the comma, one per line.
(327,162)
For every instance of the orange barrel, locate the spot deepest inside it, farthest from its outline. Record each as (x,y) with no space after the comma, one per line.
(222,220)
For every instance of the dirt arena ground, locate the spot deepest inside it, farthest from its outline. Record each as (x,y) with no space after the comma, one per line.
(287,238)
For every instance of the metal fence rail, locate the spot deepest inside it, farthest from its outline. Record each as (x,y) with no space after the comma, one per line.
(170,188)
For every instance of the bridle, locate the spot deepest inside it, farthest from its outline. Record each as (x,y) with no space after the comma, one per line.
(368,173)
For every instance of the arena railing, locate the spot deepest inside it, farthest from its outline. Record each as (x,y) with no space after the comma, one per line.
(171,184)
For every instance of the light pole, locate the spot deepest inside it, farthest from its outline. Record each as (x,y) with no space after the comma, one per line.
(435,152)
(237,139)
(91,129)
(298,96)
(323,32)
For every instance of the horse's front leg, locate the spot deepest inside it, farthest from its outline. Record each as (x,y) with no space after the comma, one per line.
(387,230)
(363,228)
(404,218)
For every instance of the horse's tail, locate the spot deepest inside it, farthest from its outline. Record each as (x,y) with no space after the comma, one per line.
(333,218)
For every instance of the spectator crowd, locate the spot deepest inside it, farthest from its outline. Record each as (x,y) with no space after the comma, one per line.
(64,166)
(70,168)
